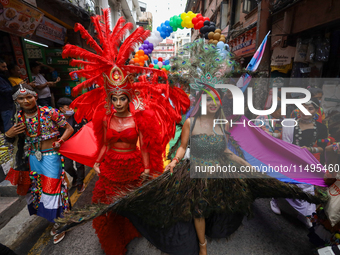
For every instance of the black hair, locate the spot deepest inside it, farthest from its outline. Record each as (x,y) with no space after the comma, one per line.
(11,66)
(315,103)
(2,61)
(315,91)
(34,64)
(64,101)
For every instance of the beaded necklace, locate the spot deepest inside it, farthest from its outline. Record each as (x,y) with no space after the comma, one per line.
(298,134)
(30,123)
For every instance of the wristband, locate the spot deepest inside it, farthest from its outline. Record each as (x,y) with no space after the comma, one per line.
(7,135)
(60,141)
(177,159)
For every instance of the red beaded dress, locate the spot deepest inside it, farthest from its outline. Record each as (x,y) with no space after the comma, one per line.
(121,169)
(124,146)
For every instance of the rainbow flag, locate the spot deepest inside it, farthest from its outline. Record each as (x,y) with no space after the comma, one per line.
(254,63)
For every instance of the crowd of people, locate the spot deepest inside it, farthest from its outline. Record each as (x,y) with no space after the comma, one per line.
(133,114)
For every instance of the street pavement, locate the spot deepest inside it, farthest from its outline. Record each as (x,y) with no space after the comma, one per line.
(264,233)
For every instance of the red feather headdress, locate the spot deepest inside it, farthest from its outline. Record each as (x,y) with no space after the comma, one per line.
(149,99)
(107,66)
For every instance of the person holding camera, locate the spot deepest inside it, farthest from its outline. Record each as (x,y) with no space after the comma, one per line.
(42,86)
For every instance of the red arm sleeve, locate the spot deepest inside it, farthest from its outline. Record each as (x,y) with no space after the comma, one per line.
(145,154)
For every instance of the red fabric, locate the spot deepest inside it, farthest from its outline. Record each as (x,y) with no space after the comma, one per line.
(128,135)
(82,147)
(20,178)
(118,172)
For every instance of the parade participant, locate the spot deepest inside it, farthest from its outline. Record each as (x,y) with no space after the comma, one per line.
(311,135)
(6,106)
(174,209)
(319,115)
(48,196)
(125,112)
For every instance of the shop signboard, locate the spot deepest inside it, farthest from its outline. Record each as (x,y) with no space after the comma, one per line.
(52,31)
(245,43)
(31,2)
(18,18)
(19,56)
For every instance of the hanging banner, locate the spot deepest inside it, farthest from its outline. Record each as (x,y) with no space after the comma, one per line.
(19,56)
(18,18)
(52,31)
(245,43)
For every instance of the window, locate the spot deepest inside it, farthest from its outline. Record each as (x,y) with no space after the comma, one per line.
(236,12)
(224,14)
(249,5)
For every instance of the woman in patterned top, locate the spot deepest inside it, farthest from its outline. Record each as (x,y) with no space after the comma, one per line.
(48,195)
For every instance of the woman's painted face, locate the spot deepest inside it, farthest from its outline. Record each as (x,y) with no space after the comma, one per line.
(120,103)
(27,102)
(311,109)
(211,106)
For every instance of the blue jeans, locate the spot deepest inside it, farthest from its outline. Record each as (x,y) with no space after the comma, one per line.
(6,117)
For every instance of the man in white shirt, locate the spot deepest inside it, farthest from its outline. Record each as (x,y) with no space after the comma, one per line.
(42,85)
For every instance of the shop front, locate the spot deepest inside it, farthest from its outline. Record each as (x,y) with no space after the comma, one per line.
(306,44)
(243,46)
(37,30)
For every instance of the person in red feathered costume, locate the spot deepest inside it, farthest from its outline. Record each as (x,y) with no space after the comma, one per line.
(125,112)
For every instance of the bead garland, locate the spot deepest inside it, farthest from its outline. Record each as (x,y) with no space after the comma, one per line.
(32,123)
(36,188)
(298,134)
(324,140)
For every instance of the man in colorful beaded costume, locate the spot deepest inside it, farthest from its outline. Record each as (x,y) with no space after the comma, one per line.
(48,196)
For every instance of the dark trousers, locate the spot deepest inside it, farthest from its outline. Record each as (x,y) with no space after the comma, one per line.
(78,174)
(4,250)
(45,101)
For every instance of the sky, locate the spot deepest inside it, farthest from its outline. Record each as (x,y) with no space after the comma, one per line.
(163,10)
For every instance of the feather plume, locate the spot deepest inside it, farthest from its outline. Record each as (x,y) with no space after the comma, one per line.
(137,37)
(185,198)
(98,27)
(106,28)
(106,16)
(77,62)
(85,84)
(117,37)
(89,40)
(75,52)
(87,73)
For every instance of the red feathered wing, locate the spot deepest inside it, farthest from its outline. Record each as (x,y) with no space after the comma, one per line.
(81,147)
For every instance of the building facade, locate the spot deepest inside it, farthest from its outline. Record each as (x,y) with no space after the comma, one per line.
(165,50)
(243,23)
